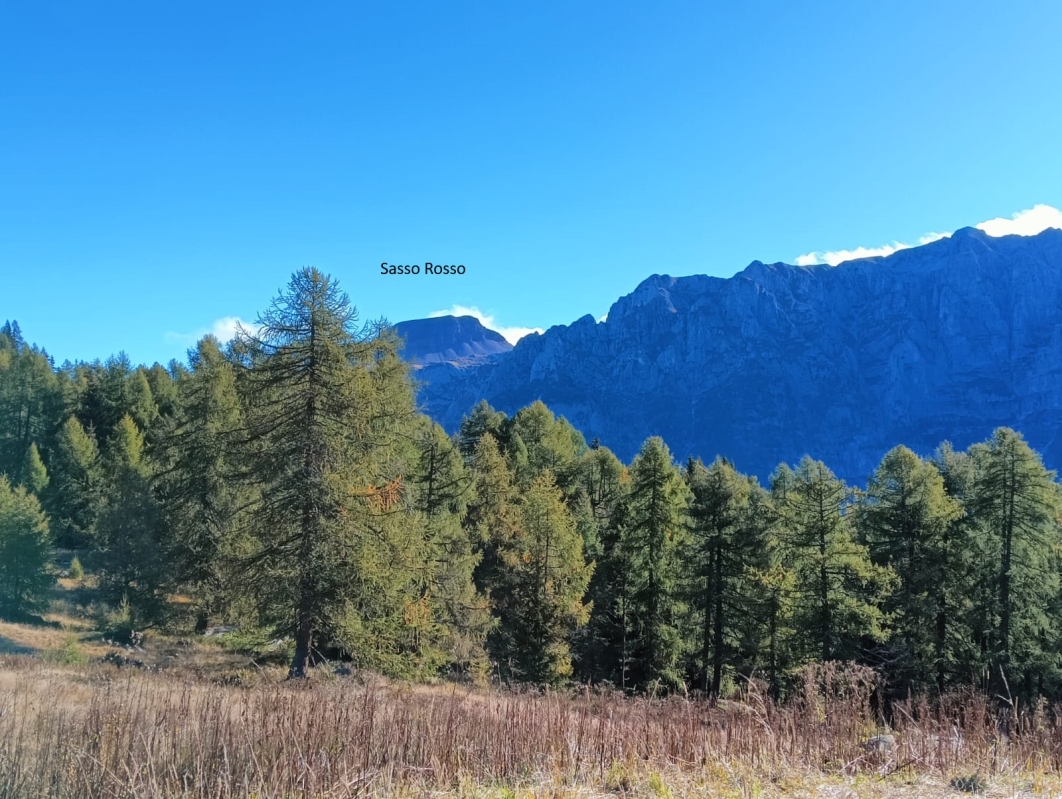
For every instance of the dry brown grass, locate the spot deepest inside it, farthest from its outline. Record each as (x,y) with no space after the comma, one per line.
(99,732)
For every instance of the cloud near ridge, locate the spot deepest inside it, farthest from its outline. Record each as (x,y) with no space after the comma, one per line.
(510,334)
(1024,223)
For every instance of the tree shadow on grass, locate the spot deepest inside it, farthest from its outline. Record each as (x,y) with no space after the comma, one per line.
(10,647)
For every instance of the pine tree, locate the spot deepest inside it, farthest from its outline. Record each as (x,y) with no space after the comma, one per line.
(25,553)
(652,538)
(482,419)
(329,410)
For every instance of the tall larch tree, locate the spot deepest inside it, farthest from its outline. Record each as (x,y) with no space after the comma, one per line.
(905,518)
(329,412)
(652,537)
(726,542)
(1016,505)
(836,586)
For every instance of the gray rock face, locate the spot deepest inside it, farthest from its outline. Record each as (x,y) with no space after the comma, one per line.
(941,342)
(457,340)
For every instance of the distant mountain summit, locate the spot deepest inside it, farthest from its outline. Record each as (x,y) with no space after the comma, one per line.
(940,342)
(454,340)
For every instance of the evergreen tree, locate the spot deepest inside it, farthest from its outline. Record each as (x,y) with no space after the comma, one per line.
(492,520)
(329,414)
(25,551)
(727,539)
(74,491)
(907,520)
(34,474)
(444,487)
(652,538)
(131,554)
(482,419)
(835,586)
(30,403)
(198,486)
(549,581)
(551,444)
(1016,504)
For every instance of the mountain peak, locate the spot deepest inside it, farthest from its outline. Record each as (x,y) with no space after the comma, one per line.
(460,340)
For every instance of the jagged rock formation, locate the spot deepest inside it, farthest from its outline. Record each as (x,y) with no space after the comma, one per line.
(944,341)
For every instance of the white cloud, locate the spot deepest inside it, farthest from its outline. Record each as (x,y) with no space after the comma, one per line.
(603,317)
(1024,223)
(223,329)
(510,334)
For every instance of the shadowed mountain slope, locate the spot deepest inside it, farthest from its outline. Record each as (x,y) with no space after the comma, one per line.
(944,341)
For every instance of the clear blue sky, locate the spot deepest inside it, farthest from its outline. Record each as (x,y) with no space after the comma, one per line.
(163,166)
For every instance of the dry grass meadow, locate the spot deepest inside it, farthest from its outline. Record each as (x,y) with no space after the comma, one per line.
(187,717)
(96,730)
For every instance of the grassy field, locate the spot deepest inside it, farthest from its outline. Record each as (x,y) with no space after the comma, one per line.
(187,717)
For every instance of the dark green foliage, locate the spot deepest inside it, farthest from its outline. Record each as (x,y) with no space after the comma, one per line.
(25,553)
(652,539)
(198,482)
(728,520)
(74,495)
(130,553)
(30,402)
(329,413)
(834,588)
(1016,507)
(908,521)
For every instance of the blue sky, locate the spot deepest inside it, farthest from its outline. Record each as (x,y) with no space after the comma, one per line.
(165,167)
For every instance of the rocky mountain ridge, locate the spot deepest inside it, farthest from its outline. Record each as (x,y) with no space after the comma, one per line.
(940,342)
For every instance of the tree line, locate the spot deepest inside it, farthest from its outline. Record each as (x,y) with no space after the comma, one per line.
(287,482)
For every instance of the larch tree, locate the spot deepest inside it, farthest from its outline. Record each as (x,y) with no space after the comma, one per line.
(726,541)
(836,586)
(330,410)
(653,534)
(549,581)
(25,553)
(907,519)
(1016,505)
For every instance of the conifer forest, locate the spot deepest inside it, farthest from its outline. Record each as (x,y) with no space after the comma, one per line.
(285,483)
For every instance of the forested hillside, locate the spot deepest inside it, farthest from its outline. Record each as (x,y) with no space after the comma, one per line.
(287,483)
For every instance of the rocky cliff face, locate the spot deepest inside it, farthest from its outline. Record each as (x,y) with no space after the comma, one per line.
(944,341)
